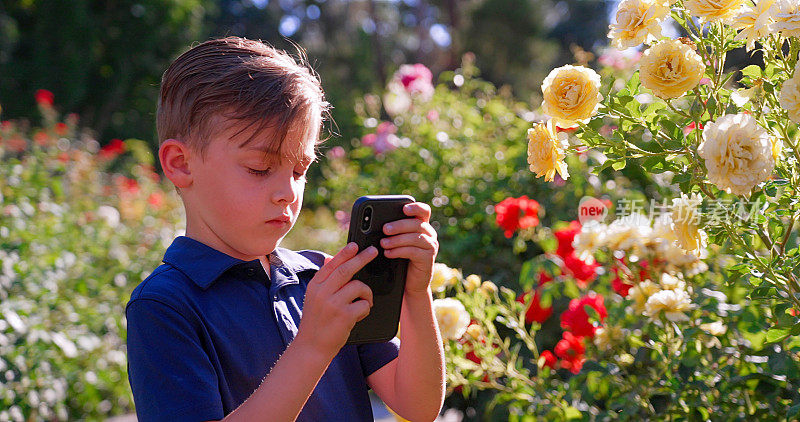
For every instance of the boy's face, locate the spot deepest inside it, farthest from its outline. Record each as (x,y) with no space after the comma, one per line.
(241,202)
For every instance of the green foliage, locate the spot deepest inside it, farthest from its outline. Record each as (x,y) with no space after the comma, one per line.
(74,241)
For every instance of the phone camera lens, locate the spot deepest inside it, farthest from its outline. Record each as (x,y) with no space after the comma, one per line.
(366,219)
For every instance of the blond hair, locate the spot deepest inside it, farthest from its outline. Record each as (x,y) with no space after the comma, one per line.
(242,80)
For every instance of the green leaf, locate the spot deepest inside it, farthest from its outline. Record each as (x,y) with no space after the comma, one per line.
(619,164)
(777,334)
(572,413)
(753,72)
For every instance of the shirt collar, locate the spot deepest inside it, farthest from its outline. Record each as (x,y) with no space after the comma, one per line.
(204,264)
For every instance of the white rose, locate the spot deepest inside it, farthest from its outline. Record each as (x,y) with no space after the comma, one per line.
(451,317)
(738,153)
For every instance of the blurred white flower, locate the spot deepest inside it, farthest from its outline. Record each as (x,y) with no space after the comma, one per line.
(673,303)
(66,345)
(591,238)
(716,328)
(451,317)
(686,222)
(109,214)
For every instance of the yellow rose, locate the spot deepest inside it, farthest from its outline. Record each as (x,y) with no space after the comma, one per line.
(472,282)
(670,68)
(754,22)
(606,337)
(713,10)
(546,151)
(452,318)
(673,303)
(571,94)
(640,293)
(786,18)
(790,96)
(488,288)
(637,21)
(738,153)
(443,277)
(685,223)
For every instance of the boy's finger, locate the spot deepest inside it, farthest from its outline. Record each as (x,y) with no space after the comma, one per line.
(418,209)
(345,272)
(409,225)
(360,309)
(417,239)
(332,263)
(353,290)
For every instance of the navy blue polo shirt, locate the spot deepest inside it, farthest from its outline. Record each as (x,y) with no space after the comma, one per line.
(204,329)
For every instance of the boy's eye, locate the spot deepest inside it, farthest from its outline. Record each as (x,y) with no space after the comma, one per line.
(260,172)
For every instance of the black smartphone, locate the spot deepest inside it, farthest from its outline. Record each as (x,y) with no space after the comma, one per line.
(386,277)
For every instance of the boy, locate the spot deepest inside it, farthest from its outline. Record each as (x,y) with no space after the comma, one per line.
(234,327)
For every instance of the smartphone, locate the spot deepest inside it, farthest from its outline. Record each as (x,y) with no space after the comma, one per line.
(385,276)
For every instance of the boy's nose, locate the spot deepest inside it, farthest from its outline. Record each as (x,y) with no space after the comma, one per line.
(285,191)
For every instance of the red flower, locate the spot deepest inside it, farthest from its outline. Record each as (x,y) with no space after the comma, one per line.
(576,319)
(582,271)
(690,127)
(535,311)
(570,350)
(622,288)
(127,185)
(44,98)
(156,199)
(550,360)
(61,129)
(565,237)
(112,149)
(40,138)
(544,278)
(573,365)
(517,213)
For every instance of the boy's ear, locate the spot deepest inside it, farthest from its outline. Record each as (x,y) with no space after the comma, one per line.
(174,157)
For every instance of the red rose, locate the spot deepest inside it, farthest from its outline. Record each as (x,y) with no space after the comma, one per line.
(576,319)
(535,311)
(112,149)
(565,237)
(622,288)
(550,360)
(44,97)
(570,350)
(517,213)
(582,271)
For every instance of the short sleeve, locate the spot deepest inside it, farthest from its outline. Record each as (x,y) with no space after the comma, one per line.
(171,376)
(374,356)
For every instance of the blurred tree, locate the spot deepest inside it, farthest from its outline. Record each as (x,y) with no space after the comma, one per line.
(102,59)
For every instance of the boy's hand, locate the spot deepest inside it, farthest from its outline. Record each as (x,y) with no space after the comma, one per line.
(334,302)
(416,240)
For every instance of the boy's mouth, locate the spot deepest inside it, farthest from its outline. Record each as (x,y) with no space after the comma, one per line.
(282,219)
